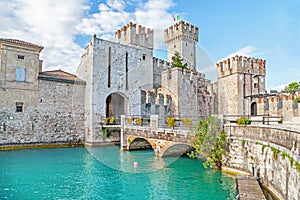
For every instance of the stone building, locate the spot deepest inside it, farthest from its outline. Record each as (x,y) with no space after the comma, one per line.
(240,81)
(36,106)
(122,77)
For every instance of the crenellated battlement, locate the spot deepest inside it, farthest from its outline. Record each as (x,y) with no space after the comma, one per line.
(161,64)
(131,34)
(279,105)
(241,64)
(182,29)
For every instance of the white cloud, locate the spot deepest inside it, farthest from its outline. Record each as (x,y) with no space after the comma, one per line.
(245,51)
(249,51)
(279,87)
(55,23)
(49,23)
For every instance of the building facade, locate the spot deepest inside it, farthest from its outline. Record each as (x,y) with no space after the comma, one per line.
(123,78)
(35,106)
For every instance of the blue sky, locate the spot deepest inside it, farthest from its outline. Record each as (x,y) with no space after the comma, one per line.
(262,29)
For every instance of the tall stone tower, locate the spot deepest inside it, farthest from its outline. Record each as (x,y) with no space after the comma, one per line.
(240,81)
(182,37)
(141,38)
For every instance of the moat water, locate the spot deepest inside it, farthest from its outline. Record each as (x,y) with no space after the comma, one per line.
(107,173)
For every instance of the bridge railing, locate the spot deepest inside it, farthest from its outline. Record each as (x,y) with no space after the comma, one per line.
(181,122)
(256,119)
(137,120)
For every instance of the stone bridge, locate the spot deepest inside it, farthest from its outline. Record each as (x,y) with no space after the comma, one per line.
(164,141)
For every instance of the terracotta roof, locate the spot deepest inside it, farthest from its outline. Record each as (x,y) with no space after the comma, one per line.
(15,41)
(60,76)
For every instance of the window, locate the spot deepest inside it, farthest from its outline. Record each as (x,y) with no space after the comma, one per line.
(280,103)
(19,107)
(20,74)
(126,70)
(255,85)
(267,104)
(174,46)
(109,68)
(21,57)
(144,56)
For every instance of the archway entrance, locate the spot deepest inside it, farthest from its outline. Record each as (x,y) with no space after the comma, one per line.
(117,104)
(254,109)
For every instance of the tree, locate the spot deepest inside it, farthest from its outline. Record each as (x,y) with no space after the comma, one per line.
(293,88)
(177,61)
(209,141)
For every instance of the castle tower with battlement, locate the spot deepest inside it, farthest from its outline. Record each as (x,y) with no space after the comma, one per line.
(135,36)
(240,81)
(182,37)
(141,38)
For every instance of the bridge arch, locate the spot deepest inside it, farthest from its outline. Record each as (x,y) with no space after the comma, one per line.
(139,143)
(177,150)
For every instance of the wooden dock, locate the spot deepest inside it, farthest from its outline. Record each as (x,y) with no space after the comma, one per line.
(248,188)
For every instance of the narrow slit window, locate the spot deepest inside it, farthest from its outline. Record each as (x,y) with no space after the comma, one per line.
(109,68)
(126,70)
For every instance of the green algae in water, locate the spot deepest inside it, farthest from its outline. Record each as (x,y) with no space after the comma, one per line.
(74,173)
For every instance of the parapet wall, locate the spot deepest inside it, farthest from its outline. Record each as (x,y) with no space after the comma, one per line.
(159,66)
(269,153)
(154,102)
(241,64)
(279,105)
(184,29)
(135,35)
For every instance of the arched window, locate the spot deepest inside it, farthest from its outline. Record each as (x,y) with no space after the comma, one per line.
(254,109)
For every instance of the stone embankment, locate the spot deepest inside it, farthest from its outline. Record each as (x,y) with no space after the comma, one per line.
(270,153)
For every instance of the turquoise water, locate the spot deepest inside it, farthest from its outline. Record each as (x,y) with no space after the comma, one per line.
(107,173)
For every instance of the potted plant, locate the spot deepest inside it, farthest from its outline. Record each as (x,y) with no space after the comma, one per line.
(106,120)
(243,121)
(130,120)
(111,120)
(187,122)
(170,122)
(139,121)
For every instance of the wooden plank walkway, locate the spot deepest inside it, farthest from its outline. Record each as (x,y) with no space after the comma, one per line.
(248,188)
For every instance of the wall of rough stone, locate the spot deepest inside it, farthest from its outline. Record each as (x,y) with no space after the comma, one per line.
(242,78)
(280,105)
(94,69)
(253,149)
(58,116)
(188,89)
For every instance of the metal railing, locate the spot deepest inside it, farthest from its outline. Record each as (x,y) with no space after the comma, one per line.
(259,119)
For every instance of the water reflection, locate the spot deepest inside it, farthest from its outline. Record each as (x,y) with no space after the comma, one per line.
(132,162)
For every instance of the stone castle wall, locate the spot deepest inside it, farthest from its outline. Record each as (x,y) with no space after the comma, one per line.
(280,105)
(259,151)
(240,80)
(57,118)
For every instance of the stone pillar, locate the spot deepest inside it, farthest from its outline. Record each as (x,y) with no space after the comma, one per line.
(122,143)
(154,123)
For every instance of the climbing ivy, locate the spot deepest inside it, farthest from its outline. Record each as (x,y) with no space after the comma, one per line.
(283,155)
(208,142)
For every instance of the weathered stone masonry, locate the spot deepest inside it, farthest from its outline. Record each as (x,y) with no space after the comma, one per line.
(35,106)
(253,149)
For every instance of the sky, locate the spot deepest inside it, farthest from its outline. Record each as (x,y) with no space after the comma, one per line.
(267,29)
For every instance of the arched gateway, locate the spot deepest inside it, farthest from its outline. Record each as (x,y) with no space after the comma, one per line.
(117,104)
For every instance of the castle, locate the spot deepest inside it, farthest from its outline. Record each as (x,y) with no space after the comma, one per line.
(123,78)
